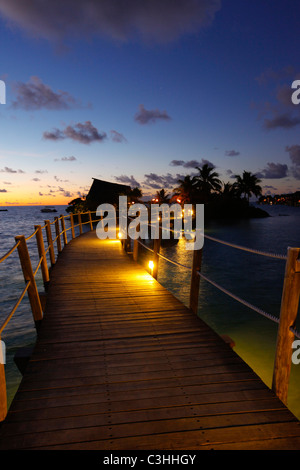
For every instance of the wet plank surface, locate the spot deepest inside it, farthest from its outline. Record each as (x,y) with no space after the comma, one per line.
(121,364)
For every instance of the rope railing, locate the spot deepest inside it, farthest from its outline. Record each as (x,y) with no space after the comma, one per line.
(287,329)
(289,303)
(4,257)
(30,274)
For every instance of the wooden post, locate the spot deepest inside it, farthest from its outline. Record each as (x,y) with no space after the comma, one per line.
(72,225)
(90,219)
(63,226)
(3,394)
(42,254)
(50,242)
(195,280)
(32,291)
(58,241)
(80,223)
(288,315)
(156,249)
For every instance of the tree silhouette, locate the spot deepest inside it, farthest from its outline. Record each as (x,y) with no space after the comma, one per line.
(162,196)
(248,184)
(185,192)
(207,181)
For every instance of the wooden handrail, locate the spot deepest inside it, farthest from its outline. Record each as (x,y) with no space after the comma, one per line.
(289,303)
(33,294)
(288,313)
(58,240)
(42,253)
(50,242)
(29,277)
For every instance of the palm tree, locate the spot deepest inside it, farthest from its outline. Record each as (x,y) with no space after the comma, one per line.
(207,181)
(135,194)
(229,191)
(185,192)
(248,184)
(162,196)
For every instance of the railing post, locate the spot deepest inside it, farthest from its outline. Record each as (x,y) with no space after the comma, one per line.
(42,254)
(195,280)
(63,226)
(90,220)
(80,223)
(50,242)
(58,241)
(156,249)
(72,225)
(33,294)
(288,316)
(3,393)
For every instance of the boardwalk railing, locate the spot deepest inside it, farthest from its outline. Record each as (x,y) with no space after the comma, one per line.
(55,244)
(289,300)
(289,304)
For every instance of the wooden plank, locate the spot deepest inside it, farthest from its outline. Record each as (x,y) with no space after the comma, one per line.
(121,364)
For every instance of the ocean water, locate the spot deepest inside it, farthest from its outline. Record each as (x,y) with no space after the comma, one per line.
(255,278)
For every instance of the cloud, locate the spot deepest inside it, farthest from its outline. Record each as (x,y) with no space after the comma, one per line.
(232,153)
(40,172)
(84,133)
(273,171)
(66,159)
(130,180)
(3,190)
(155,181)
(295,170)
(35,95)
(149,20)
(177,163)
(285,121)
(117,137)
(36,179)
(56,134)
(144,116)
(294,151)
(279,112)
(10,170)
(59,180)
(191,163)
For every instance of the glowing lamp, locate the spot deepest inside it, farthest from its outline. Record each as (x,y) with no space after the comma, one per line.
(151,265)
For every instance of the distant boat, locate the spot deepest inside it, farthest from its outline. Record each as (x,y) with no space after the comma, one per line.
(3,210)
(48,209)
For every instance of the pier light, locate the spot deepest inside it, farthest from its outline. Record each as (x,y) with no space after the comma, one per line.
(151,266)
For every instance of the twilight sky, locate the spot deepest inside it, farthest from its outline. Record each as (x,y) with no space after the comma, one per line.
(141,92)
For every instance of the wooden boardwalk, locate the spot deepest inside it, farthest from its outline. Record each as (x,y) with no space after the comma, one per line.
(121,364)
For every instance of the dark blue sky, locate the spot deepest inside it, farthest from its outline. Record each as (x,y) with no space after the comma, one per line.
(141,92)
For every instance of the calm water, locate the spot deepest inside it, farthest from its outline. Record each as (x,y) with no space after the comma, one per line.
(255,278)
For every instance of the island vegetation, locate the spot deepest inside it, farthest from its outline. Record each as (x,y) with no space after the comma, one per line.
(222,200)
